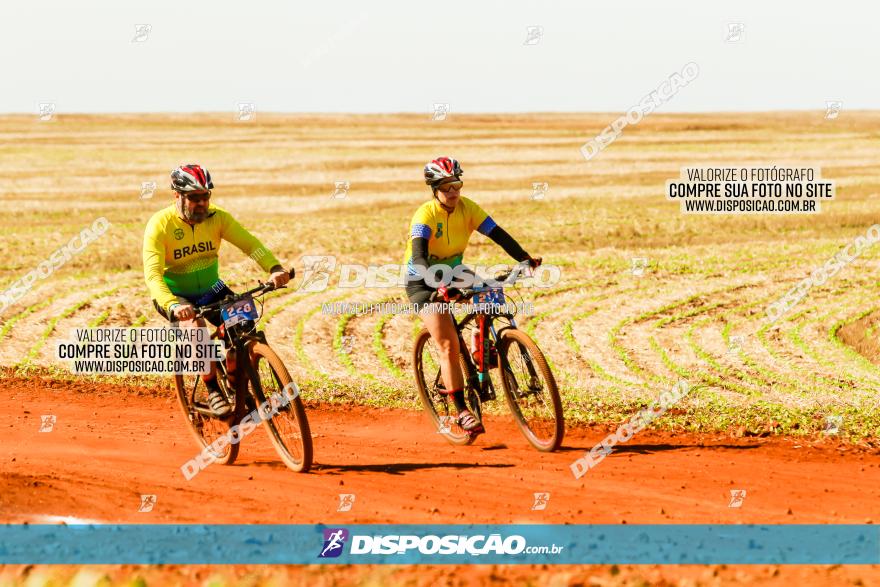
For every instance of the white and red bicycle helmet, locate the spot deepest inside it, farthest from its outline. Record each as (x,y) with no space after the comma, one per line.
(441,168)
(191,178)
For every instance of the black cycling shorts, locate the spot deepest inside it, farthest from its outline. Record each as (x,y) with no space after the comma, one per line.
(418,296)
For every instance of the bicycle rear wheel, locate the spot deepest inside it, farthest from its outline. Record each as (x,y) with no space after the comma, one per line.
(288,428)
(530,390)
(191,392)
(439,406)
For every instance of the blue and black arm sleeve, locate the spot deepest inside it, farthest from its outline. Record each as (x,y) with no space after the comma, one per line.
(420,262)
(507,242)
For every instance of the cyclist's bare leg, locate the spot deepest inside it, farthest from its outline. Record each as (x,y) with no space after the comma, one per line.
(443,332)
(442,329)
(200,323)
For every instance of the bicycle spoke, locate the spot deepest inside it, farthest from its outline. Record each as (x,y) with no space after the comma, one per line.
(438,403)
(531,400)
(284,421)
(207,429)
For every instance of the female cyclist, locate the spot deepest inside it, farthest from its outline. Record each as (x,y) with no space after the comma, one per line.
(439,234)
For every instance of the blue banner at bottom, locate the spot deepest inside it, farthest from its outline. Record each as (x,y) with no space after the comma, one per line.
(439,544)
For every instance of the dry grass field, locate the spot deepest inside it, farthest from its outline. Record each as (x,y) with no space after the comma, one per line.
(615,339)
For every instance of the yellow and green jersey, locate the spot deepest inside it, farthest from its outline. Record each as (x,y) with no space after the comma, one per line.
(180,259)
(448,233)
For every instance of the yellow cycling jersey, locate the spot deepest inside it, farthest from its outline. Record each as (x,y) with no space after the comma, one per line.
(448,233)
(180,259)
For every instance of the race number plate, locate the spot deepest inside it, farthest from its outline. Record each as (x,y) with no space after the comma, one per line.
(490,296)
(241,311)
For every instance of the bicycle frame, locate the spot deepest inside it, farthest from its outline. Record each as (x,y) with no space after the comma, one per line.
(238,338)
(487,337)
(238,376)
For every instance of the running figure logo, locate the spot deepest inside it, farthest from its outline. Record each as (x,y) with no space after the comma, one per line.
(737,496)
(147,503)
(735,32)
(639,264)
(441,111)
(47,423)
(734,344)
(148,188)
(541,500)
(832,109)
(247,111)
(340,190)
(46,110)
(346,501)
(316,272)
(334,540)
(445,424)
(141,32)
(833,424)
(539,190)
(534,34)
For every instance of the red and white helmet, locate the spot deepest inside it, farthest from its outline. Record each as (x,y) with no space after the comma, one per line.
(191,178)
(440,169)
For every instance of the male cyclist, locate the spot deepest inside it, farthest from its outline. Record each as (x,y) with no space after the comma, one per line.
(180,258)
(439,233)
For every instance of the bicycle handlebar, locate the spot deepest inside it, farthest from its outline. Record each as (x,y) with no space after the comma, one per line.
(517,270)
(262,288)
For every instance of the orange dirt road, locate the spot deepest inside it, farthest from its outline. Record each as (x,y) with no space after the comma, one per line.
(111,444)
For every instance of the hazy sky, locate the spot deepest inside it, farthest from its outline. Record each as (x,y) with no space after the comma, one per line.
(406,56)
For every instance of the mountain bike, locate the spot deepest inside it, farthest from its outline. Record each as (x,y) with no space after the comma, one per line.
(498,346)
(254,380)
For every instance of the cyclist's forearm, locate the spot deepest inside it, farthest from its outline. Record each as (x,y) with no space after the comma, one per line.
(420,252)
(159,291)
(507,242)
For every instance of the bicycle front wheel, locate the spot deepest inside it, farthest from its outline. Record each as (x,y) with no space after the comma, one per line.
(530,390)
(281,408)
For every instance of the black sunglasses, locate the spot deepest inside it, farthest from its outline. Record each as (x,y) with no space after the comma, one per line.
(452,185)
(197,198)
